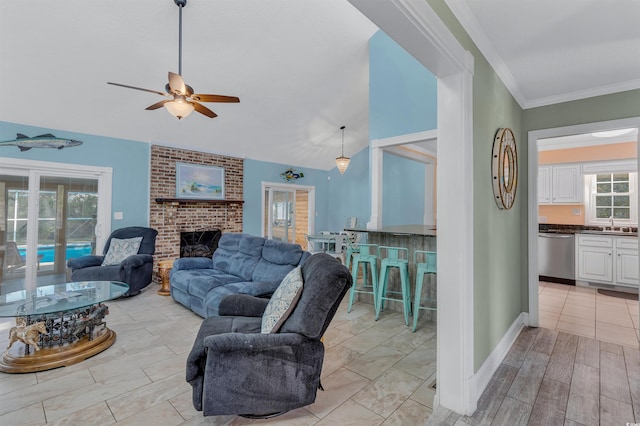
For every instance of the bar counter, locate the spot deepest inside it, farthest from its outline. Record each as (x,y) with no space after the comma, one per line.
(424,230)
(413,237)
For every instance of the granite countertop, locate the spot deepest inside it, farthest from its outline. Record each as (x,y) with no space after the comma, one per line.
(422,230)
(594,230)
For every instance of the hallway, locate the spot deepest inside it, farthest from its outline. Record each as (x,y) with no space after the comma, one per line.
(550,377)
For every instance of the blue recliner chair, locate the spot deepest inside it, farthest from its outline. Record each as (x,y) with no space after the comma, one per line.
(135,269)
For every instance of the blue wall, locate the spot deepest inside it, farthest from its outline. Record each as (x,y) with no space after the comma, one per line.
(403,191)
(256,172)
(402,100)
(349,193)
(130,171)
(402,92)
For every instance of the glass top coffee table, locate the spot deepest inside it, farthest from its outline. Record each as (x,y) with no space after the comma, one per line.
(57,325)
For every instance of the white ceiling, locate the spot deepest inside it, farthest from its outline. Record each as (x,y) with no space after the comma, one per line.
(299,67)
(550,51)
(585,139)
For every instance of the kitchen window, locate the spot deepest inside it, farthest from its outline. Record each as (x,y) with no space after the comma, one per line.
(611,198)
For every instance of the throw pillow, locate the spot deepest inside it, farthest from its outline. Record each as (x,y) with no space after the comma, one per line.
(119,250)
(282,302)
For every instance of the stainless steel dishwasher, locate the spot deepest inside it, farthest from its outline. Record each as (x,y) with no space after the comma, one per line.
(556,257)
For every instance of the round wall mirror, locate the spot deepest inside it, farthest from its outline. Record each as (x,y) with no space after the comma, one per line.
(504,168)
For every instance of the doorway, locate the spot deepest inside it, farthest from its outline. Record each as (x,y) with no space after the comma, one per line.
(420,31)
(533,219)
(49,213)
(287,212)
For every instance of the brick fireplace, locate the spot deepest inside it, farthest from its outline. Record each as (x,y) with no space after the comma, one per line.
(171,218)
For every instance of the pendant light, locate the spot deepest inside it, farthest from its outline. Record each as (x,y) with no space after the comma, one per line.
(342,162)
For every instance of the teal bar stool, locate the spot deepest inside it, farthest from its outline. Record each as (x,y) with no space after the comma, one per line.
(366,256)
(425,262)
(394,257)
(352,248)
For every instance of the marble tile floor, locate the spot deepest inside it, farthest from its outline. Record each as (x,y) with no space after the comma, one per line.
(585,312)
(375,372)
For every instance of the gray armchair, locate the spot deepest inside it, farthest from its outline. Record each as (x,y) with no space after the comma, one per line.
(235,369)
(135,270)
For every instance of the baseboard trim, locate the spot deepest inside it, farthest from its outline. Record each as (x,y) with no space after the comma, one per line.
(481,378)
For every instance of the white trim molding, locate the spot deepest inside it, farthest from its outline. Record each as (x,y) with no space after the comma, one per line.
(376,154)
(490,365)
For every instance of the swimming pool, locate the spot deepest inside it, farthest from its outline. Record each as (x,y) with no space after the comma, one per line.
(47,251)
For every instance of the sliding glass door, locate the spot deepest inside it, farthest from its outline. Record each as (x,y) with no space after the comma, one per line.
(47,216)
(286,212)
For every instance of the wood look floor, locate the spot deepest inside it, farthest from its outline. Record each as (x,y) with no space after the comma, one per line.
(555,378)
(581,367)
(374,373)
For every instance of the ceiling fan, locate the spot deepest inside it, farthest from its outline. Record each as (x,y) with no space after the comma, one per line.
(182,100)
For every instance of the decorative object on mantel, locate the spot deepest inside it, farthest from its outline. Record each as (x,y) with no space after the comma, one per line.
(291,175)
(183,101)
(504,168)
(25,143)
(199,182)
(342,162)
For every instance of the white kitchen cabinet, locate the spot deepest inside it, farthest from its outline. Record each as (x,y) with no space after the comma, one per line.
(560,184)
(607,259)
(544,184)
(627,261)
(595,258)
(567,184)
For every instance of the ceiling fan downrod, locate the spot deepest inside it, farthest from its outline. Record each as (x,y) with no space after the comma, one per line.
(180,4)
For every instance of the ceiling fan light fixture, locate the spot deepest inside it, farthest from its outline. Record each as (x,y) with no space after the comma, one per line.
(342,162)
(179,108)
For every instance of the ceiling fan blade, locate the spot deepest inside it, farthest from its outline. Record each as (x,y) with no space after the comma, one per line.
(203,110)
(176,84)
(215,98)
(138,88)
(158,104)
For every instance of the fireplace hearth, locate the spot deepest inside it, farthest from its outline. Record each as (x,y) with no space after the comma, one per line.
(199,243)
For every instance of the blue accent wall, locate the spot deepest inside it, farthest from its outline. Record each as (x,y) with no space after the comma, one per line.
(256,172)
(402,100)
(130,172)
(349,194)
(403,191)
(402,92)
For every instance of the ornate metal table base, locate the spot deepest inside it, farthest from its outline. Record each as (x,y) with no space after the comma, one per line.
(72,336)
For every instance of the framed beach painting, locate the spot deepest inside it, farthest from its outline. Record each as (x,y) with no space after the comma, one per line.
(199,182)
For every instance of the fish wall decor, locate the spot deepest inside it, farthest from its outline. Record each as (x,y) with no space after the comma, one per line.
(291,175)
(25,143)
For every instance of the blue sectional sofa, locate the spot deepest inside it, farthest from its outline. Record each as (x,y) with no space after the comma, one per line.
(242,264)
